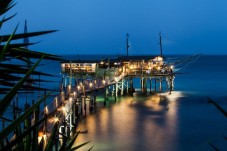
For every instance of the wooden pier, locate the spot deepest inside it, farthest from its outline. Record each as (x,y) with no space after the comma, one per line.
(82,79)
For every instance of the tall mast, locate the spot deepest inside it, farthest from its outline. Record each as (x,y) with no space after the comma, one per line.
(127,43)
(26,40)
(160,43)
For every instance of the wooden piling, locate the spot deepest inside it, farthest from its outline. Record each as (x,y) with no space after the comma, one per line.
(160,84)
(122,86)
(155,84)
(150,84)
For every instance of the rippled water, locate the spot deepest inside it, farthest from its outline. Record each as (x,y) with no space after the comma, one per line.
(159,122)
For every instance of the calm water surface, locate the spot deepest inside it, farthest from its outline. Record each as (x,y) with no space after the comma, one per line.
(160,122)
(183,121)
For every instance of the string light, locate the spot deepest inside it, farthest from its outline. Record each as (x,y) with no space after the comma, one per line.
(70,99)
(56,120)
(103,81)
(90,84)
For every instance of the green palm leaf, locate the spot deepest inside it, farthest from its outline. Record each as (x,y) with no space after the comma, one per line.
(5,19)
(52,137)
(7,99)
(29,130)
(12,126)
(23,52)
(26,35)
(6,5)
(218,107)
(5,48)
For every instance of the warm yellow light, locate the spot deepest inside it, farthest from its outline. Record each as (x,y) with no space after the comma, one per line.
(78,87)
(63,109)
(160,58)
(171,66)
(103,81)
(131,67)
(90,84)
(46,110)
(44,136)
(56,119)
(56,102)
(101,62)
(70,99)
(41,135)
(159,68)
(39,139)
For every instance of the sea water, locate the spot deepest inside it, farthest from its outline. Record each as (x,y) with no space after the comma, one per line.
(183,120)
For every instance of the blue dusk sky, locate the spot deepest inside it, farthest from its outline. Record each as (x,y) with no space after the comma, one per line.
(100,26)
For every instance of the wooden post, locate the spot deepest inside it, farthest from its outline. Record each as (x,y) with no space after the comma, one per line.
(27,122)
(127,86)
(116,93)
(56,141)
(36,130)
(171,84)
(155,83)
(64,130)
(85,106)
(141,84)
(81,106)
(122,86)
(131,89)
(145,86)
(90,104)
(113,90)
(105,95)
(150,85)
(74,112)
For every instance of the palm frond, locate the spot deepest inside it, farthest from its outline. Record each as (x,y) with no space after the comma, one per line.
(7,99)
(6,19)
(25,53)
(218,107)
(6,47)
(29,130)
(12,126)
(17,45)
(26,35)
(52,137)
(6,5)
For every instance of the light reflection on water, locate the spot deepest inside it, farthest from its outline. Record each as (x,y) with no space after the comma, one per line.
(160,122)
(141,123)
